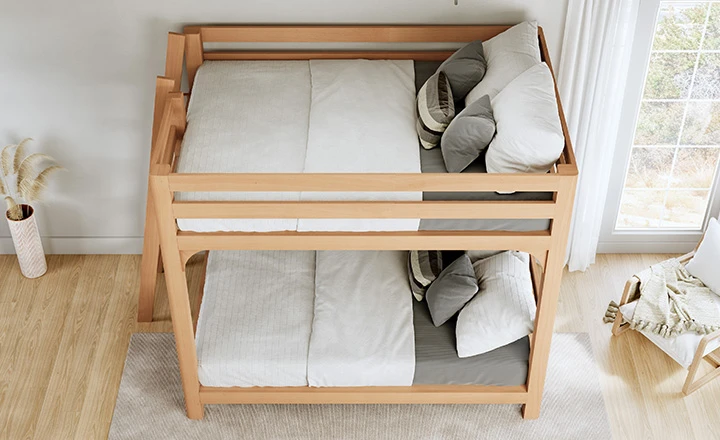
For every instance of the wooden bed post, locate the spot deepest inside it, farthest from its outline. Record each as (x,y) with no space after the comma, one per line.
(177,293)
(171,127)
(193,53)
(549,293)
(151,263)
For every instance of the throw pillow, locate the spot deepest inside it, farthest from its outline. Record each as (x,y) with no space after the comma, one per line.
(529,136)
(503,310)
(435,109)
(704,264)
(468,135)
(465,68)
(508,55)
(453,288)
(423,268)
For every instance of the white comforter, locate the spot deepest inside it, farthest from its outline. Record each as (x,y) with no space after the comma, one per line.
(362,121)
(294,318)
(255,319)
(362,332)
(348,116)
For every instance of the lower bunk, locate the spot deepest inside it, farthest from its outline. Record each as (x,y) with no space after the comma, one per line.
(344,327)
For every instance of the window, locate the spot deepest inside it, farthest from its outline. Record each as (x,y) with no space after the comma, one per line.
(675,147)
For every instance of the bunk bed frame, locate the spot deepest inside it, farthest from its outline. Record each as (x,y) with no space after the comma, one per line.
(162,236)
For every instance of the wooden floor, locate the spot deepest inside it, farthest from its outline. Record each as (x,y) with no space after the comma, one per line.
(63,340)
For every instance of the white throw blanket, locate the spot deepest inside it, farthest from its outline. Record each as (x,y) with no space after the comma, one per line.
(673,302)
(362,331)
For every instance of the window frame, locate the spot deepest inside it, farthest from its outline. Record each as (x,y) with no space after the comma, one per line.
(613,240)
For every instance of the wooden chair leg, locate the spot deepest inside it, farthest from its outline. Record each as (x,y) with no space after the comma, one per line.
(619,327)
(692,385)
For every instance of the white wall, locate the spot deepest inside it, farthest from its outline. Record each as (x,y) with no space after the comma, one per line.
(78,76)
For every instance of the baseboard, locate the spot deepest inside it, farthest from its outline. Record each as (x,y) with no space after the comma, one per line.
(646,247)
(82,245)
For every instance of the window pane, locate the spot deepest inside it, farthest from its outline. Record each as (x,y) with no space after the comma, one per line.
(685,209)
(712,34)
(694,168)
(669,75)
(707,78)
(650,167)
(641,209)
(702,124)
(679,26)
(659,123)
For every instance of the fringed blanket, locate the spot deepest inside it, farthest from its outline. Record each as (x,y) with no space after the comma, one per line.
(671,302)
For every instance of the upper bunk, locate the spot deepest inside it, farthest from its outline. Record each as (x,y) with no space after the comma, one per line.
(235,196)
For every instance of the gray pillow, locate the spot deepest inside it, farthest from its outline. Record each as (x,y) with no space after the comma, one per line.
(465,68)
(435,109)
(423,268)
(453,288)
(468,135)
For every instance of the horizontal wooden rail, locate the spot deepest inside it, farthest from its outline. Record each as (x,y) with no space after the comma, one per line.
(449,240)
(427,55)
(430,394)
(345,34)
(381,209)
(362,182)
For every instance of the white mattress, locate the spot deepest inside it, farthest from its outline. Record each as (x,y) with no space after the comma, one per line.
(362,333)
(246,117)
(255,319)
(299,116)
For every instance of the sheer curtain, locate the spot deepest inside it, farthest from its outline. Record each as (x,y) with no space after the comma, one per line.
(591,78)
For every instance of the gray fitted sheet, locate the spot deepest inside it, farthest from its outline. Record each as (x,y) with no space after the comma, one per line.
(431,161)
(437,362)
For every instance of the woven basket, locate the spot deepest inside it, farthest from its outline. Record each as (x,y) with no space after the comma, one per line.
(28,246)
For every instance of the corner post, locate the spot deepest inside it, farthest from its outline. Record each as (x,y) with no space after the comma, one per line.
(178,297)
(193,53)
(548,296)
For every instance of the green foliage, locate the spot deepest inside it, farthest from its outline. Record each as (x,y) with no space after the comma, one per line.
(680,27)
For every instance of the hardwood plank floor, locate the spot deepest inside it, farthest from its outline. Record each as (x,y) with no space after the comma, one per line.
(64,336)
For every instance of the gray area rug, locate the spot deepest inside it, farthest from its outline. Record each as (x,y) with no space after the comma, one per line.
(150,405)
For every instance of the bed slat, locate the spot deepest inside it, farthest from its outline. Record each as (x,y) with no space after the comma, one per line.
(363,182)
(430,394)
(438,55)
(448,240)
(345,34)
(310,209)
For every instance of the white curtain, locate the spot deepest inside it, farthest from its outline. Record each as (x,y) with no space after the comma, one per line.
(591,78)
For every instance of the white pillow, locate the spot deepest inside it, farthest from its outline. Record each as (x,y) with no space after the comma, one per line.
(705,264)
(529,137)
(503,310)
(508,55)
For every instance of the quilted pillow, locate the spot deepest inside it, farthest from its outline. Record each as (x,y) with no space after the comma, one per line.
(508,55)
(435,109)
(503,310)
(468,135)
(465,68)
(455,286)
(529,136)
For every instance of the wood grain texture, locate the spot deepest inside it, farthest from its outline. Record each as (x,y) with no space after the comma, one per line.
(641,385)
(346,34)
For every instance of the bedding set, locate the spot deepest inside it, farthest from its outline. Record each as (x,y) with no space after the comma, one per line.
(341,318)
(491,107)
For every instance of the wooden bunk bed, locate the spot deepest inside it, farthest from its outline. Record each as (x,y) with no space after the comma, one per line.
(163,238)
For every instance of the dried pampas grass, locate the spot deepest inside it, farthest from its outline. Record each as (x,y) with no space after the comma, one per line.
(30,176)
